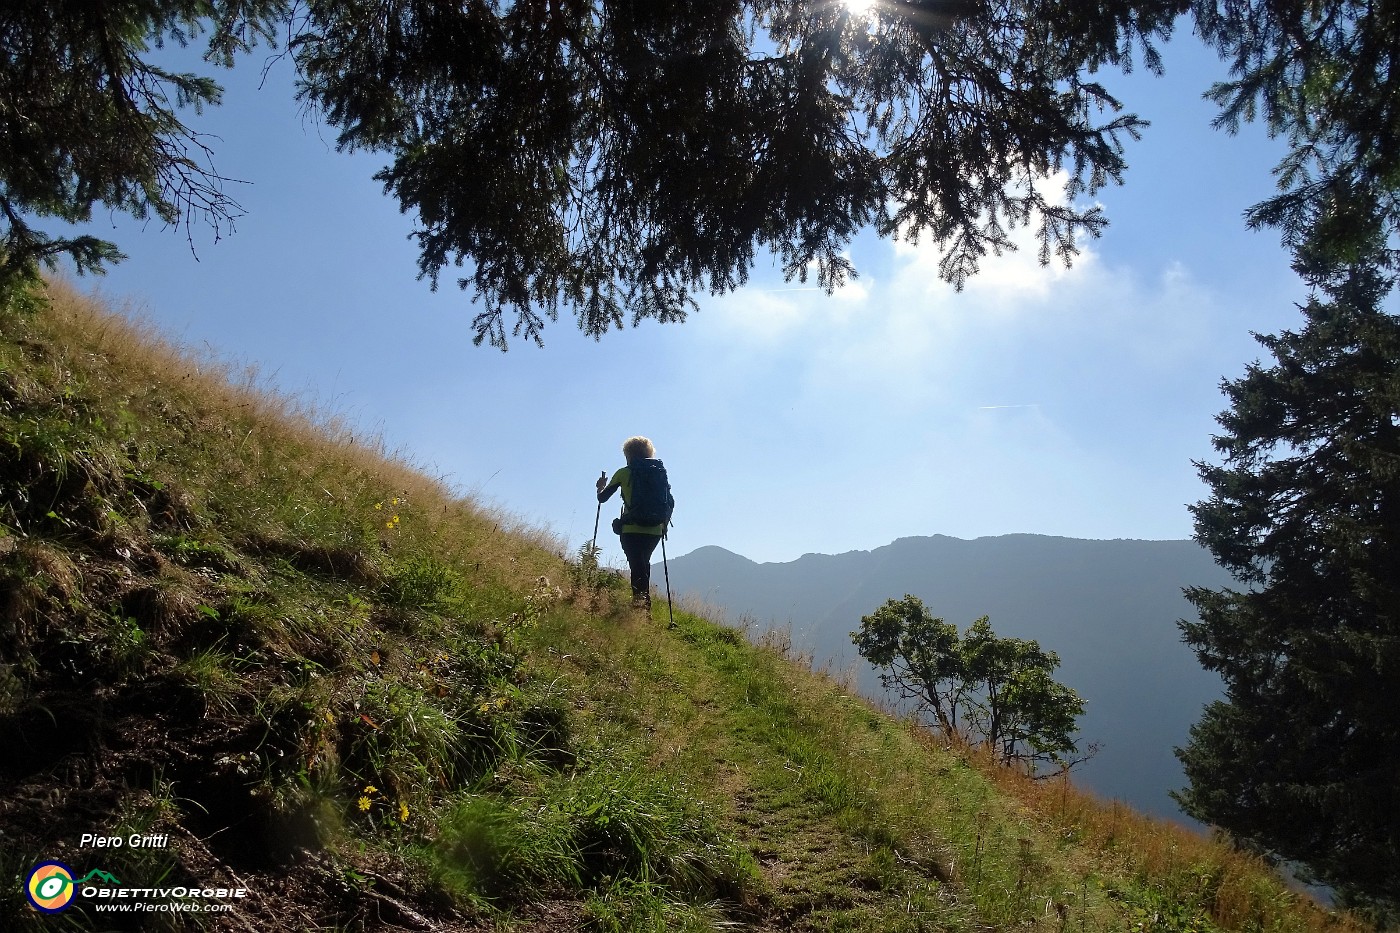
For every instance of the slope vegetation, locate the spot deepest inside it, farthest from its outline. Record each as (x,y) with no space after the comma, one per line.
(255,674)
(1109,609)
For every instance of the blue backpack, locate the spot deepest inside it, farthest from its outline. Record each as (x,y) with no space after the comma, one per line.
(651,495)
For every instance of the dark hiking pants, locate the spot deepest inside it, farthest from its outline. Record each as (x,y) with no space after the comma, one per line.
(639,549)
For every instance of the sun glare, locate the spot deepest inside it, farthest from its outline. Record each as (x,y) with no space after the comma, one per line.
(860,7)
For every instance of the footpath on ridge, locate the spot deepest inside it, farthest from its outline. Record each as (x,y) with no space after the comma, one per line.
(855,820)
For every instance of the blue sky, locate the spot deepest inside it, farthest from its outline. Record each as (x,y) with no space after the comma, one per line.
(1064,402)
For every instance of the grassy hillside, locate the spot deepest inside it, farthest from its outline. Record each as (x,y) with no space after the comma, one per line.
(271,659)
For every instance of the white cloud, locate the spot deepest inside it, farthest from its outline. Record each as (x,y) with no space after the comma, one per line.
(1029,378)
(765,315)
(910,337)
(853,292)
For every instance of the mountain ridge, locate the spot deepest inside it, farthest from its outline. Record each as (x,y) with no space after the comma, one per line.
(1107,607)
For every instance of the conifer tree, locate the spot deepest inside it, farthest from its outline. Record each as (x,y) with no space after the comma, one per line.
(1324,77)
(1300,761)
(86,119)
(614,158)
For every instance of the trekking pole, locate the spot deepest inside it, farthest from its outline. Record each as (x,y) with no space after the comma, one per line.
(603,476)
(666,570)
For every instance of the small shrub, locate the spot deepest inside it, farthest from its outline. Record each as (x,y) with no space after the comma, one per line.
(588,579)
(402,738)
(493,848)
(420,583)
(632,822)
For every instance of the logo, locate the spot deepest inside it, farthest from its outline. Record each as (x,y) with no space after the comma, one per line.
(50,887)
(100,875)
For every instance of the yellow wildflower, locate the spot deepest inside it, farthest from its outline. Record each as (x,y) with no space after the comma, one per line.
(403,812)
(371,789)
(364,803)
(378,506)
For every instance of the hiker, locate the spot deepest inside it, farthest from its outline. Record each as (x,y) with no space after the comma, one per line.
(646,511)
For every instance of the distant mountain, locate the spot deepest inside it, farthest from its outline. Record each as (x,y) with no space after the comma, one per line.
(1108,608)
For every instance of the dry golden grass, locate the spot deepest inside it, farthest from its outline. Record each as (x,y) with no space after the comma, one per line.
(269,430)
(300,449)
(1244,892)
(1237,890)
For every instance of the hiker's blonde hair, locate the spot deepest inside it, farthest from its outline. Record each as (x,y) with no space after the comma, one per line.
(637,448)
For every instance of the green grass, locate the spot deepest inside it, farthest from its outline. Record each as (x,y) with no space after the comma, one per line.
(224,617)
(820,784)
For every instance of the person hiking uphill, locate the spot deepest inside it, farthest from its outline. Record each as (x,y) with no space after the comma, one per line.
(646,511)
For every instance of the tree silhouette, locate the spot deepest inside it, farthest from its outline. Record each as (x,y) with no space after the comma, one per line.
(1300,759)
(615,158)
(996,692)
(87,119)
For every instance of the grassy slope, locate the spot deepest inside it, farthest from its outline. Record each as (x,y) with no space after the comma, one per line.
(376,706)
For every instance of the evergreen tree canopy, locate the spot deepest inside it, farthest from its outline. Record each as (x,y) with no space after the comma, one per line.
(86,119)
(615,157)
(1325,77)
(1301,759)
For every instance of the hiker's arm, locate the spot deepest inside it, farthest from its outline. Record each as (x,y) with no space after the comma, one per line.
(605,492)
